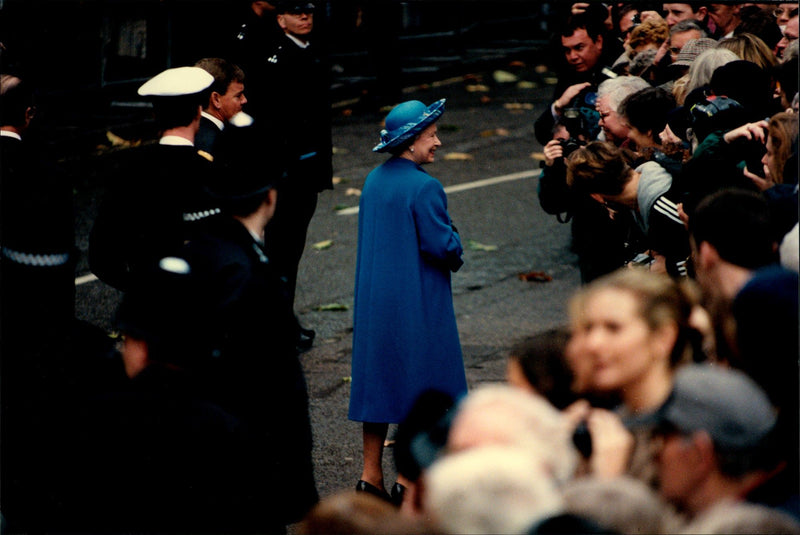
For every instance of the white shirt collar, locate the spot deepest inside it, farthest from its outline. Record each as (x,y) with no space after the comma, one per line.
(256,237)
(297,41)
(175,140)
(9,133)
(213,119)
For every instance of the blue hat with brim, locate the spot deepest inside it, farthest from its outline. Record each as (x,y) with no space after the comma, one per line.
(406,120)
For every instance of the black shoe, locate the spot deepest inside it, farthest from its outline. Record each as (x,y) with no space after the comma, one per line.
(363,486)
(305,339)
(398,491)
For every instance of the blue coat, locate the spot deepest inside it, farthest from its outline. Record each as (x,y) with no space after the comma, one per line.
(405,338)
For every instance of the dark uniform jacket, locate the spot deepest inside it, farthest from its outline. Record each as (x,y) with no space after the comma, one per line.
(156,200)
(37,293)
(37,248)
(207,137)
(290,98)
(251,39)
(257,375)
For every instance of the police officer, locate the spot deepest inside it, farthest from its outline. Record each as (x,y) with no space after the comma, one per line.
(290,102)
(37,292)
(157,198)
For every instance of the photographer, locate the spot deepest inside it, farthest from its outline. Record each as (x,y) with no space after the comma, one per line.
(600,242)
(585,51)
(775,174)
(639,371)
(606,174)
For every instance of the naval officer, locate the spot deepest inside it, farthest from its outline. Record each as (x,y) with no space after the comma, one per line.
(157,195)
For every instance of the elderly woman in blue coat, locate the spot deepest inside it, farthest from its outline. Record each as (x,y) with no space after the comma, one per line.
(405,338)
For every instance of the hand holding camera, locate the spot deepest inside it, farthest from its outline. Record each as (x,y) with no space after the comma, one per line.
(749,140)
(601,438)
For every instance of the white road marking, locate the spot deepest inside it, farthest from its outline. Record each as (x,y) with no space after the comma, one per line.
(469,185)
(83,279)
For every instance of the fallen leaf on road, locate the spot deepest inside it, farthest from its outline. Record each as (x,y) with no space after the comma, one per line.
(347,379)
(527,85)
(494,132)
(540,69)
(516,63)
(538,156)
(320,245)
(332,307)
(339,180)
(353,191)
(518,106)
(550,80)
(338,150)
(477,88)
(457,156)
(477,246)
(535,276)
(504,77)
(117,141)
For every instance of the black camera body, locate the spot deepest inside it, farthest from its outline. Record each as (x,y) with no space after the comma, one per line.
(751,152)
(568,146)
(582,440)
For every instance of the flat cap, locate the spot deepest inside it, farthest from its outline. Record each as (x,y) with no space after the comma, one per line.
(725,402)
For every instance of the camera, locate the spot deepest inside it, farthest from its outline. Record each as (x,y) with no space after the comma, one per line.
(568,146)
(582,440)
(575,121)
(751,151)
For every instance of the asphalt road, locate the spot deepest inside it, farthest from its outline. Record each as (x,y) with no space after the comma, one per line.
(487,131)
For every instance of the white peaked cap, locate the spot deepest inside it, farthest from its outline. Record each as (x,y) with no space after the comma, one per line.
(176,82)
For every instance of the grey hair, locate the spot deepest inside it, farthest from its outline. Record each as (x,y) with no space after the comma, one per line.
(491,489)
(705,64)
(687,26)
(616,89)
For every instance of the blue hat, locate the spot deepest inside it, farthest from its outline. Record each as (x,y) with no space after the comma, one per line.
(406,120)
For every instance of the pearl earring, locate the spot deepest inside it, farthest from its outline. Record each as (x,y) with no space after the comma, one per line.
(411,149)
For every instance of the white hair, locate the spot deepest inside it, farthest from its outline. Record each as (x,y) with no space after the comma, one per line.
(705,64)
(501,414)
(616,89)
(622,504)
(492,489)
